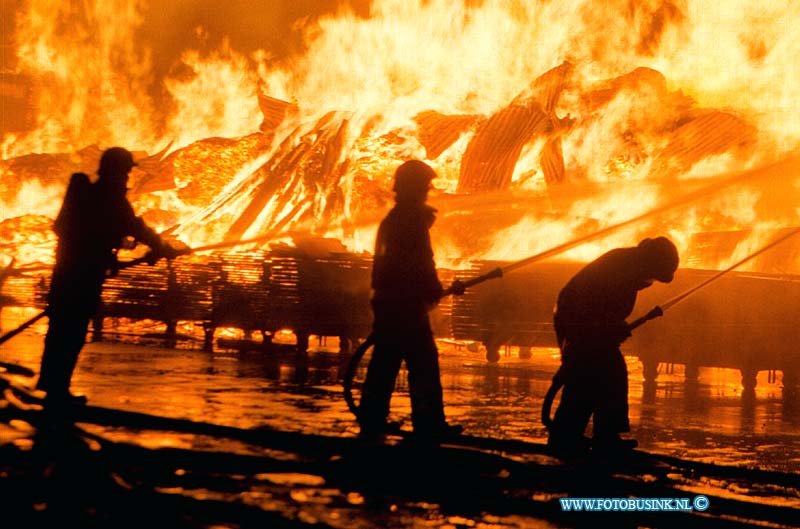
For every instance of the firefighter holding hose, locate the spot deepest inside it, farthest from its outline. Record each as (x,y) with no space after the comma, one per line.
(405,288)
(92,223)
(590,326)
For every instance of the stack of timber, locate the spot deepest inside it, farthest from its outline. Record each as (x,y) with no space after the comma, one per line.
(324,295)
(241,292)
(744,321)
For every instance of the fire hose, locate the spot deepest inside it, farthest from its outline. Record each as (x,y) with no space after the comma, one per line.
(561,375)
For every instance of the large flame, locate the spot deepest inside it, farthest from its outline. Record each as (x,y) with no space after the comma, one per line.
(545,120)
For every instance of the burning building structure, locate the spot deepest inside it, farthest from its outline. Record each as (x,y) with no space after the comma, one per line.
(546,121)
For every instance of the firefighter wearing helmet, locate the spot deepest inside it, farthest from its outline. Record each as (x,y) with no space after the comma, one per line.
(590,326)
(115,165)
(405,288)
(94,220)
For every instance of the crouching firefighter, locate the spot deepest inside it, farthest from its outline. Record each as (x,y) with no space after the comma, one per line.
(94,220)
(590,326)
(405,288)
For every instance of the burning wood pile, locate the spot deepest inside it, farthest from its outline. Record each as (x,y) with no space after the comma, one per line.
(315,178)
(333,175)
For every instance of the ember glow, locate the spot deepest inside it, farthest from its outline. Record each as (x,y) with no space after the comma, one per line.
(545,120)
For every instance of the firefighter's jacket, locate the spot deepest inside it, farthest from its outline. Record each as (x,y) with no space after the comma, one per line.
(592,307)
(404,272)
(93,221)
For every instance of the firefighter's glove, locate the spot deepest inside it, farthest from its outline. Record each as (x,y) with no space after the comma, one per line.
(458,287)
(128,243)
(173,249)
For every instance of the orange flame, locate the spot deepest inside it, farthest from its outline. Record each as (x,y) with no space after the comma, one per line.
(578,114)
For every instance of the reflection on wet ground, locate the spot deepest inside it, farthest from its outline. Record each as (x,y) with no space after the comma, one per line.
(710,421)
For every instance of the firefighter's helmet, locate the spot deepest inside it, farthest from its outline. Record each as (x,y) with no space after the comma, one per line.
(115,161)
(660,258)
(413,179)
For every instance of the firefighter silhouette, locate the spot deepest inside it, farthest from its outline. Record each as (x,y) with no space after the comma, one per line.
(405,288)
(91,225)
(590,326)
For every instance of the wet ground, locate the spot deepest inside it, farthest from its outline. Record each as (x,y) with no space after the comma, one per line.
(708,422)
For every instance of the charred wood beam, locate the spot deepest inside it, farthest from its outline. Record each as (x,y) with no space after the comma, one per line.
(710,134)
(274,179)
(328,140)
(328,195)
(333,152)
(636,81)
(311,161)
(148,175)
(489,161)
(552,161)
(274,112)
(438,131)
(547,88)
